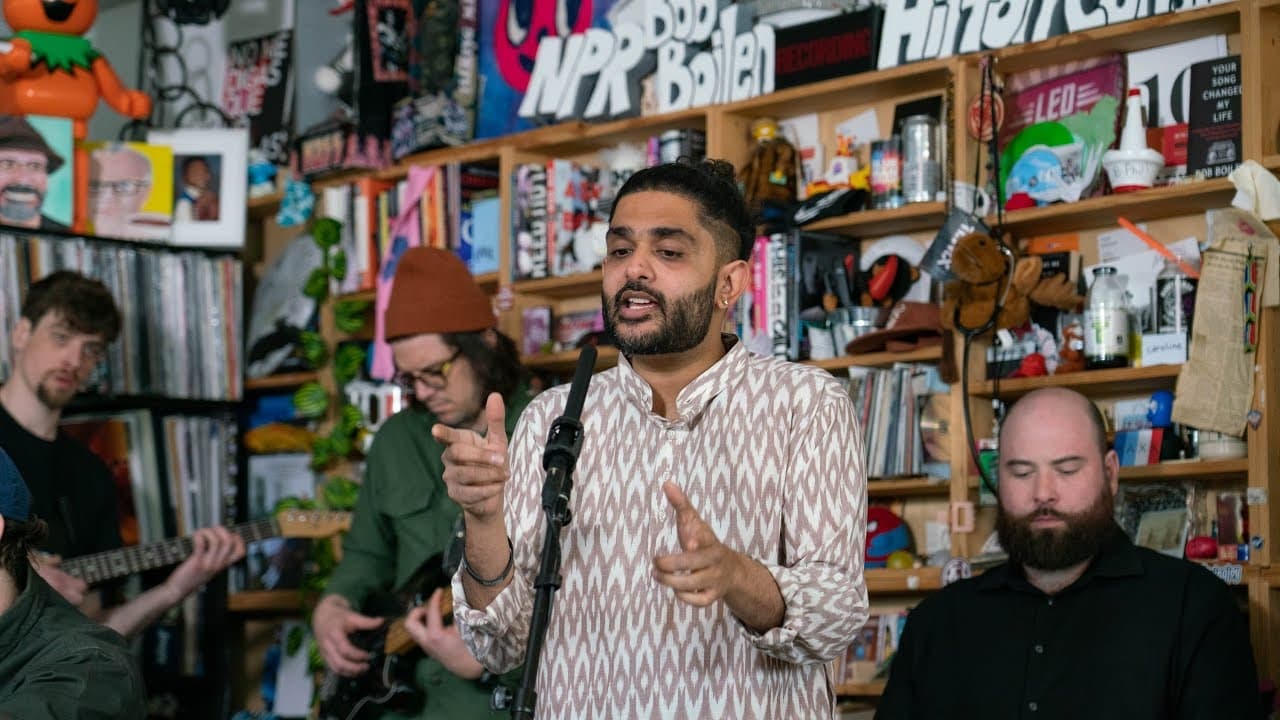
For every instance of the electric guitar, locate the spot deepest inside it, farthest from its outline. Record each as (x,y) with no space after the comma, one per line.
(388,685)
(112,564)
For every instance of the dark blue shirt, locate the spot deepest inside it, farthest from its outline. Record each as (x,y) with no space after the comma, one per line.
(1139,635)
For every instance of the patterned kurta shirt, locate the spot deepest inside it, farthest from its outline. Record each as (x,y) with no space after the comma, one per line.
(768,453)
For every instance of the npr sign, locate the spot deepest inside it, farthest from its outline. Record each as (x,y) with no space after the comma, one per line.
(699,52)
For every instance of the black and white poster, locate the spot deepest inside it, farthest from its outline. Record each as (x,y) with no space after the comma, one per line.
(257,91)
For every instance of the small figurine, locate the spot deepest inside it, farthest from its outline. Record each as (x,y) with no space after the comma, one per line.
(262,174)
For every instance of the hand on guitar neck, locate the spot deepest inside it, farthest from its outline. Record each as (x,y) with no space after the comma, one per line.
(430,627)
(212,551)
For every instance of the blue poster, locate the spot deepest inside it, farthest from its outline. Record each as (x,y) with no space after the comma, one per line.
(510,31)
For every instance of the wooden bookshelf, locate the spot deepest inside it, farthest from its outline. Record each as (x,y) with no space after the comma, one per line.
(562,287)
(1161,202)
(889,581)
(1271,575)
(1089,382)
(910,486)
(261,207)
(1163,29)
(565,361)
(280,382)
(879,359)
(906,219)
(875,688)
(266,602)
(1235,470)
(576,137)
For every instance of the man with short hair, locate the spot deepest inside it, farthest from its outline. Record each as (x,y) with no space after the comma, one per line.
(54,662)
(449,355)
(197,197)
(1080,623)
(26,162)
(713,567)
(67,322)
(119,183)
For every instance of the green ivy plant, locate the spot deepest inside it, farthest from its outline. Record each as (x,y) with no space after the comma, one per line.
(313,401)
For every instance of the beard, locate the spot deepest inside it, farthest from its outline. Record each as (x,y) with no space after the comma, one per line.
(54,399)
(1082,537)
(682,327)
(19,209)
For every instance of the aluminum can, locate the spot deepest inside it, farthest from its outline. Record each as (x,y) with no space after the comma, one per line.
(921,159)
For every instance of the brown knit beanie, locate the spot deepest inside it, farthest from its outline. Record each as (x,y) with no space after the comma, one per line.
(435,293)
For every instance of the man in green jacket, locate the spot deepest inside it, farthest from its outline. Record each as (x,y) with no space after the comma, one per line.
(449,356)
(54,661)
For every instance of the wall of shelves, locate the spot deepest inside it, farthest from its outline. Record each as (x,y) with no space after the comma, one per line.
(1253,27)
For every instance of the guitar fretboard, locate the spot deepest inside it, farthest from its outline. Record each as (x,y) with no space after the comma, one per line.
(112,564)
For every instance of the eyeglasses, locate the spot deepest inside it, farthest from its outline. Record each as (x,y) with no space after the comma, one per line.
(433,377)
(120,188)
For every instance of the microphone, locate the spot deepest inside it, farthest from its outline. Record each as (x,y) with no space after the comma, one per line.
(564,440)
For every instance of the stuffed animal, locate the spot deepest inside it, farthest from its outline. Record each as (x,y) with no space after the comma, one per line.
(770,176)
(1058,292)
(982,272)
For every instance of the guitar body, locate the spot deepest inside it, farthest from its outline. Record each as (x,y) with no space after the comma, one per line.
(388,685)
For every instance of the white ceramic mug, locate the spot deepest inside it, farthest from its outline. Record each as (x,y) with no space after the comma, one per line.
(971,199)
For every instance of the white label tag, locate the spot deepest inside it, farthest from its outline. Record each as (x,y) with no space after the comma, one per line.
(1229,574)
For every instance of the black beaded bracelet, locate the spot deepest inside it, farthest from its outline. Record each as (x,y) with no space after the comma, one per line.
(511,561)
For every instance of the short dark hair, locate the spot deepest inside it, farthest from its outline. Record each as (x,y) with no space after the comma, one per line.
(186,164)
(497,366)
(710,184)
(84,303)
(19,541)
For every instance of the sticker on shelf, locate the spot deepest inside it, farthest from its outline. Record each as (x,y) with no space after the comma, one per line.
(1231,574)
(1255,496)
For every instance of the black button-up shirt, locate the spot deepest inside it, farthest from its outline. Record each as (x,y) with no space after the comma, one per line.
(1139,635)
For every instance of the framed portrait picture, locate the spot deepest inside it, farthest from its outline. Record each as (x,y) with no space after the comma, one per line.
(210,169)
(36,172)
(130,190)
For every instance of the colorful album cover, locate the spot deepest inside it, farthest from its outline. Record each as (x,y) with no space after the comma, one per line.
(130,190)
(36,187)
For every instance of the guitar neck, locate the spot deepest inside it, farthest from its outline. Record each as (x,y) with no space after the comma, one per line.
(112,564)
(398,640)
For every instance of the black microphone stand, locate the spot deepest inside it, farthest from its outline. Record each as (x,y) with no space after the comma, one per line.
(564,442)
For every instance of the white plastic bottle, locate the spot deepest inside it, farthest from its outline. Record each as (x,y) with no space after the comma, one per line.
(1106,337)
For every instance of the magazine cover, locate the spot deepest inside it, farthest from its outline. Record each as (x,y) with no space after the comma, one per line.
(36,172)
(509,37)
(1055,133)
(125,442)
(130,190)
(258,93)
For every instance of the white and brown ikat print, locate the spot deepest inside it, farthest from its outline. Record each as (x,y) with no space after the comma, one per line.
(768,453)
